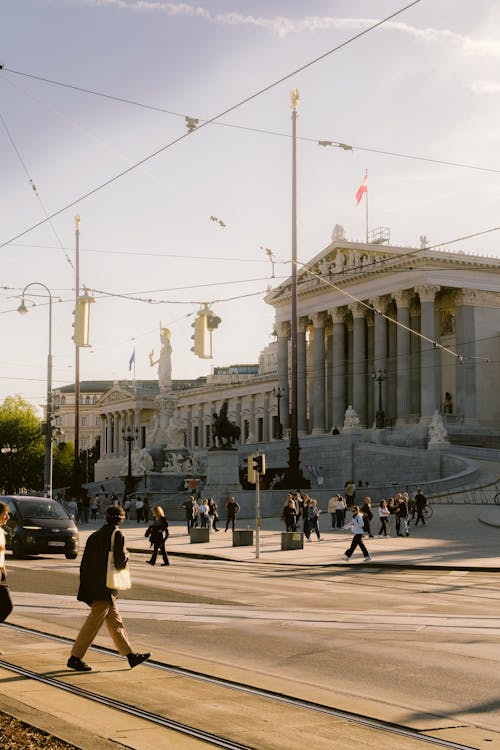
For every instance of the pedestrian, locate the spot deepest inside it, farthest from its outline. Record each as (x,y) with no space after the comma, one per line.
(189,508)
(402,515)
(101,599)
(313,525)
(6,605)
(158,535)
(420,501)
(289,515)
(384,516)
(305,515)
(332,505)
(350,493)
(86,508)
(72,508)
(139,509)
(203,513)
(232,508)
(145,510)
(357,528)
(340,507)
(367,512)
(94,507)
(213,514)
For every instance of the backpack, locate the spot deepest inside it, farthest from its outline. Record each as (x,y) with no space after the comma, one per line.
(365,522)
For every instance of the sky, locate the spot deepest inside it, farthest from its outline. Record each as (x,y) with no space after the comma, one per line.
(93,100)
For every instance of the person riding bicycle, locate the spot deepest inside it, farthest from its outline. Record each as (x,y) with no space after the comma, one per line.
(420,501)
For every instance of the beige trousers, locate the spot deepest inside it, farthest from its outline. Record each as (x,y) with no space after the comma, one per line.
(101,612)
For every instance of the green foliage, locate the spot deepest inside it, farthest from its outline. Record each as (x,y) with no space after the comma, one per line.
(63,458)
(20,428)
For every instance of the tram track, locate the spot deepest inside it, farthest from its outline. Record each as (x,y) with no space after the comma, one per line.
(243,689)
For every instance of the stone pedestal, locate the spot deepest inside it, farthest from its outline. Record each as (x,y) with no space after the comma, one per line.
(292,540)
(198,536)
(222,472)
(243,538)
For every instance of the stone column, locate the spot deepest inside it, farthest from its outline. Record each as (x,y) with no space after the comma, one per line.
(465,345)
(329,378)
(302,324)
(109,435)
(283,331)
(339,365)
(403,356)
(379,305)
(415,359)
(429,400)
(103,446)
(318,377)
(359,361)
(370,348)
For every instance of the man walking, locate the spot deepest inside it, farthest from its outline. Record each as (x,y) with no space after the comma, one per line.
(420,501)
(102,600)
(357,528)
(6,605)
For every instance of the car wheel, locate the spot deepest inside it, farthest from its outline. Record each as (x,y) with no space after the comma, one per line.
(71,555)
(17,550)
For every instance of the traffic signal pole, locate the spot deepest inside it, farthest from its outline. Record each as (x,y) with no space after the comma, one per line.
(257,515)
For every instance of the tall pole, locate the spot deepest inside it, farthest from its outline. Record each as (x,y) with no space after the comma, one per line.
(294,478)
(76,458)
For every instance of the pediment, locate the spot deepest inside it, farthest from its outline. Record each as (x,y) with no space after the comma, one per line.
(115,395)
(344,263)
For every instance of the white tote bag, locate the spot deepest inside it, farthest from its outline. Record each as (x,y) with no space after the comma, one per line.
(116,579)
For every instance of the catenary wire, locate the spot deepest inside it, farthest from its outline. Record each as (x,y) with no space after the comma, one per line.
(232,108)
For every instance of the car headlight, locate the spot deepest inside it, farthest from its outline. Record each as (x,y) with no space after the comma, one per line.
(32,528)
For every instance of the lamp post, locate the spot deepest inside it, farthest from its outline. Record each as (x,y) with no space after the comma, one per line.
(379,378)
(9,451)
(47,483)
(130,436)
(278,393)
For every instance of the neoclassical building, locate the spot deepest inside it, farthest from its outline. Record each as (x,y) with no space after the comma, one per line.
(427,320)
(402,328)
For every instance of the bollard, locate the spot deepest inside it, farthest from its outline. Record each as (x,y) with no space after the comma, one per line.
(243,538)
(197,536)
(292,540)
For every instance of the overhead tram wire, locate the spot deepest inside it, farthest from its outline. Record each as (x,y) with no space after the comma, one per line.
(239,104)
(262,131)
(35,190)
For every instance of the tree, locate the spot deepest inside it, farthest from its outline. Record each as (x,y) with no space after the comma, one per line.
(20,428)
(63,457)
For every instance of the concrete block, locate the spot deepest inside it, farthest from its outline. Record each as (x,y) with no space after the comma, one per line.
(292,540)
(242,537)
(197,536)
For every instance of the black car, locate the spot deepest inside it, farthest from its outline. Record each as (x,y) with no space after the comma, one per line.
(39,525)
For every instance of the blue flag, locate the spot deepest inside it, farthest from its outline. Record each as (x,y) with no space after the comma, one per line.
(131,360)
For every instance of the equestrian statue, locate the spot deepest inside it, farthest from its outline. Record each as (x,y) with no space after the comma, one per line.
(224,432)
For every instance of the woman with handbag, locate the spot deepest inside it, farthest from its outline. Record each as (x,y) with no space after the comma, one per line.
(6,605)
(105,547)
(158,534)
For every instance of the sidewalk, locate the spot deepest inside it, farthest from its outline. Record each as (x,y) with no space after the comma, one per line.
(456,537)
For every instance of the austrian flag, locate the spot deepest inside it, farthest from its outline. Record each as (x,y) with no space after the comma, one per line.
(363,188)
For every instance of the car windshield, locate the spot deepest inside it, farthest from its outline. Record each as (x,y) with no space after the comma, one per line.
(37,509)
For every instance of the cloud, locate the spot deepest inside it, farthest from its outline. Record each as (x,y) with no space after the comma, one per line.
(283,26)
(484,87)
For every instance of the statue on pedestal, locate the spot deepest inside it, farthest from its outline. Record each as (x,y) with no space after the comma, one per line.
(164,361)
(351,419)
(224,432)
(437,430)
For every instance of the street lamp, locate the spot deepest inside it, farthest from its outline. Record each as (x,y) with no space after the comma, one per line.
(278,393)
(9,451)
(129,436)
(47,483)
(379,378)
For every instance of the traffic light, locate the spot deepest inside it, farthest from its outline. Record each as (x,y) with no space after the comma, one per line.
(256,463)
(81,323)
(259,463)
(200,335)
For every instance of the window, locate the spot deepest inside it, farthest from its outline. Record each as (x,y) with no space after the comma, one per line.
(84,420)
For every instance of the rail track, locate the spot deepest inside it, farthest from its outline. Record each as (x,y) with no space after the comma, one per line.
(215,682)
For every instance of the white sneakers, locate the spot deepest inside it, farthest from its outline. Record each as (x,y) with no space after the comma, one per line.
(367,558)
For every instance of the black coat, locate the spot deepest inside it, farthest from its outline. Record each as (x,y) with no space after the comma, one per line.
(93,567)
